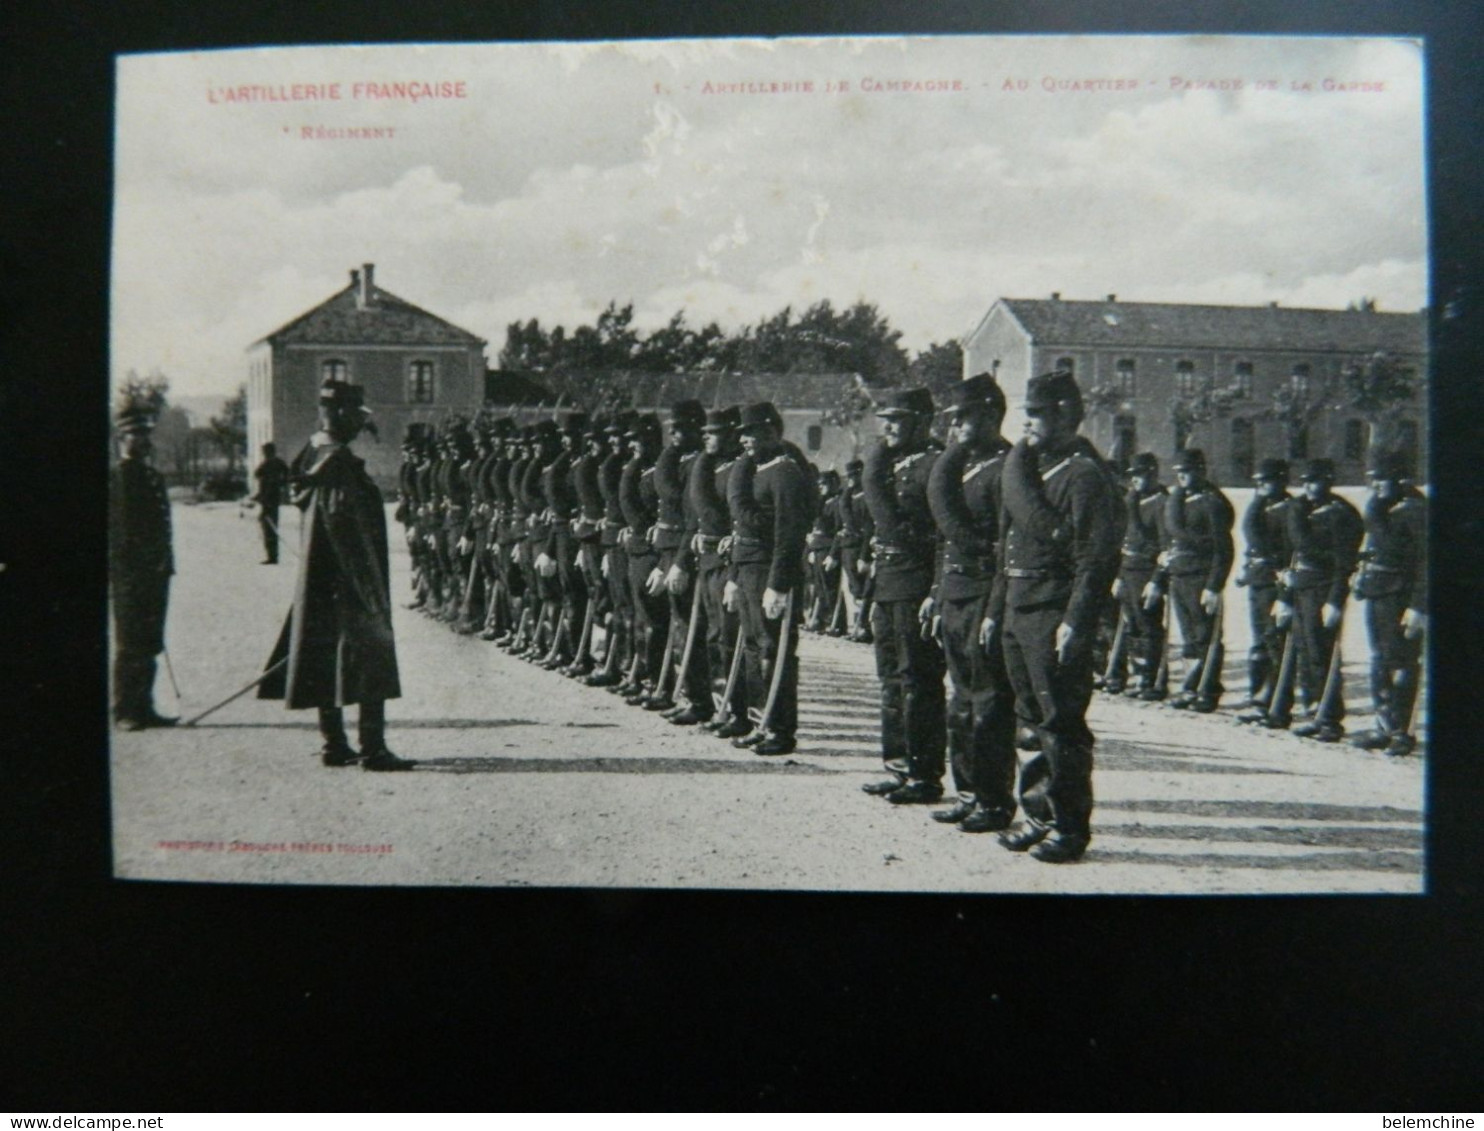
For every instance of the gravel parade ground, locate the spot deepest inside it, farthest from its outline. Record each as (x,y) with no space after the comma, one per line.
(528,778)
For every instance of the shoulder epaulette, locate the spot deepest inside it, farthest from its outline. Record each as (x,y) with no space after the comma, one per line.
(776,459)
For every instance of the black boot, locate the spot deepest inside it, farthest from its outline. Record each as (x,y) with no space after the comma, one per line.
(336,750)
(373,741)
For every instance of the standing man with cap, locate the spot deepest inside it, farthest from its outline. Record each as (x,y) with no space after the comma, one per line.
(909,661)
(824,574)
(337,641)
(271,477)
(1143,620)
(768,496)
(1198,554)
(964,492)
(671,471)
(1265,531)
(1059,530)
(140,565)
(614,563)
(1393,583)
(707,501)
(641,508)
(1325,532)
(852,549)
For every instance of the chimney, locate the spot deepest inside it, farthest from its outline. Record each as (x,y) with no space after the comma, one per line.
(1112,298)
(367,280)
(1056,296)
(1273,305)
(355,279)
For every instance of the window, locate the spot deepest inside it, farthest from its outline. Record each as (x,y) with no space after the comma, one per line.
(1244,448)
(420,382)
(814,437)
(1124,379)
(1184,378)
(334,370)
(1242,378)
(1354,439)
(1066,365)
(1125,440)
(1299,380)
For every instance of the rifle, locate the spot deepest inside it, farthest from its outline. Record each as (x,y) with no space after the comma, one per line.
(1332,681)
(236,694)
(690,637)
(724,707)
(1281,704)
(1212,670)
(780,659)
(1115,653)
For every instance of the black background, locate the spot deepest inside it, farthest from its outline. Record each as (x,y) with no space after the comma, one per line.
(138,996)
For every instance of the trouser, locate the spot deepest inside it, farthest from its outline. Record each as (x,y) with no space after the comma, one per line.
(1266,652)
(1144,629)
(1196,627)
(1055,782)
(371,726)
(760,656)
(1106,630)
(981,709)
(268,524)
(696,685)
(621,603)
(139,606)
(651,617)
(1396,663)
(913,727)
(1313,648)
(723,630)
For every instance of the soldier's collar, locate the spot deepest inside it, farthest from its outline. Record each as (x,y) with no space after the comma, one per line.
(771,462)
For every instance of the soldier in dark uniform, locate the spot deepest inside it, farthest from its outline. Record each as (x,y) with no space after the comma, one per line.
(271,477)
(852,549)
(640,501)
(495,474)
(1265,530)
(337,641)
(546,445)
(510,520)
(769,498)
(407,506)
(1197,560)
(1143,621)
(473,544)
(671,471)
(1325,532)
(140,565)
(559,550)
(1059,539)
(1393,583)
(964,492)
(909,661)
(614,565)
(824,570)
(587,530)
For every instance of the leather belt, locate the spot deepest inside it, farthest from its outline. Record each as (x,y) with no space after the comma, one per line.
(1037,575)
(709,541)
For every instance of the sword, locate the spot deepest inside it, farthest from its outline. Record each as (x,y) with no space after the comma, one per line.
(1115,653)
(1332,678)
(779,662)
(1281,702)
(170,670)
(732,673)
(690,637)
(236,694)
(282,541)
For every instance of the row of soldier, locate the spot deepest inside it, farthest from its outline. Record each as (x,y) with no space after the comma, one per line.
(697,555)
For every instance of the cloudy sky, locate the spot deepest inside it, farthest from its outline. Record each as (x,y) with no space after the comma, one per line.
(570,175)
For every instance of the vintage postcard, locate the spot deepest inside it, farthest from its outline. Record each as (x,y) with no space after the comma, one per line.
(580,464)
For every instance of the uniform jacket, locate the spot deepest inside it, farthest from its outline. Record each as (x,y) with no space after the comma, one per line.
(1396,539)
(670,473)
(1141,536)
(826,525)
(905,543)
(1326,545)
(272,476)
(1198,535)
(338,635)
(707,517)
(1265,530)
(610,472)
(138,524)
(964,494)
(770,513)
(641,505)
(1060,520)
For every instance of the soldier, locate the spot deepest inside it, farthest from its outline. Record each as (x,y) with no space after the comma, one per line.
(546,445)
(909,661)
(271,477)
(1265,530)
(473,544)
(1143,621)
(852,549)
(510,519)
(964,492)
(140,565)
(336,647)
(1197,559)
(587,529)
(1325,532)
(1059,531)
(1393,583)
(615,562)
(671,471)
(499,606)
(768,495)
(640,501)
(824,571)
(559,551)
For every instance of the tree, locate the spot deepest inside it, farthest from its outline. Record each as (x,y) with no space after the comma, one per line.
(229,428)
(1377,389)
(149,393)
(1294,406)
(939,367)
(853,403)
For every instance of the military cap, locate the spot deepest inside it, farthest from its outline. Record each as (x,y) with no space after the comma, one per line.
(621,423)
(852,466)
(1319,470)
(342,394)
(1381,464)
(527,433)
(723,419)
(687,413)
(980,389)
(596,428)
(1271,471)
(906,402)
(644,426)
(758,414)
(134,418)
(1145,463)
(504,427)
(1047,390)
(546,430)
(574,424)
(1190,459)
(417,432)
(830,477)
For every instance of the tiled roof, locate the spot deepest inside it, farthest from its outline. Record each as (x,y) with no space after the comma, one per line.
(714,390)
(387,320)
(1059,322)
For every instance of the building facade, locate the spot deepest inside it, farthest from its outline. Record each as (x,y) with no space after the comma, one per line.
(1159,376)
(413,365)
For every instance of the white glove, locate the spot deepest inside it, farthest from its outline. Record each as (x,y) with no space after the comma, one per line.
(545,566)
(1209,598)
(774,603)
(729,597)
(1117,590)
(676,580)
(986,633)
(655,583)
(1329,616)
(1282,613)
(1414,624)
(1064,638)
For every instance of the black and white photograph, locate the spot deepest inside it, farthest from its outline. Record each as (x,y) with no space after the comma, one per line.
(972,464)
